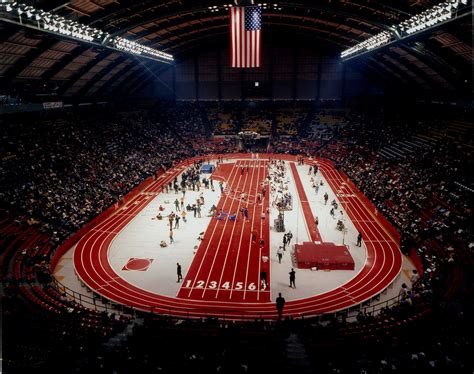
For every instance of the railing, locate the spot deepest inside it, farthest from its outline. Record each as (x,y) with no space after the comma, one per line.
(95,302)
(100,304)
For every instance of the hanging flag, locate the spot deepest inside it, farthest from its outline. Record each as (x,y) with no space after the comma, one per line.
(246,36)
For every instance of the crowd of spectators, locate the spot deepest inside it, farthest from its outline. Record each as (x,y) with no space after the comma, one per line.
(425,195)
(428,198)
(224,118)
(63,171)
(257,120)
(289,119)
(59,172)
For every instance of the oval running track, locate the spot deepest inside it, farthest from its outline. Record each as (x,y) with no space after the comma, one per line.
(382,266)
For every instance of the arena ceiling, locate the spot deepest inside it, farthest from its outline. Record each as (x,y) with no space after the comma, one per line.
(441,59)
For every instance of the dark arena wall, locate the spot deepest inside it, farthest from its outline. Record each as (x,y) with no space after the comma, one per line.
(289,73)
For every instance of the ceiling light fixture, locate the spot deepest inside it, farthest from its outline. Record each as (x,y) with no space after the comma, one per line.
(417,23)
(53,23)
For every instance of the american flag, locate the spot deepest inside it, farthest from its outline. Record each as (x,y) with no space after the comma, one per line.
(246,36)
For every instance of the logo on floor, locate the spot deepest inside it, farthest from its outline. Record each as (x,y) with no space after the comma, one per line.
(138,264)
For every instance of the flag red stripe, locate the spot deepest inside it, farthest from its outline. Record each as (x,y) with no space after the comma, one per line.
(239,33)
(249,49)
(232,54)
(237,25)
(235,36)
(257,43)
(243,46)
(254,51)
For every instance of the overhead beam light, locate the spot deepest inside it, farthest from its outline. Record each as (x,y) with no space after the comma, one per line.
(138,49)
(429,18)
(375,41)
(46,21)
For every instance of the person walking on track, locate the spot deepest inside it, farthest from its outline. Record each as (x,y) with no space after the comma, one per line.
(263,279)
(254,235)
(292,278)
(359,240)
(280,254)
(280,303)
(178,271)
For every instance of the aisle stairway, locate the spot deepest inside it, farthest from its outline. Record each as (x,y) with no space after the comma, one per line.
(297,359)
(401,149)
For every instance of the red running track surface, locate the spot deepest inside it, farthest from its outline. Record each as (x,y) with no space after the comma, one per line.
(383,263)
(228,262)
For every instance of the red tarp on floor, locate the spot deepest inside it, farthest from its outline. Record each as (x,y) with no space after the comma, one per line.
(323,256)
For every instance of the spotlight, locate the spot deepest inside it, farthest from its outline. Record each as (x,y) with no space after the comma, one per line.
(53,23)
(419,22)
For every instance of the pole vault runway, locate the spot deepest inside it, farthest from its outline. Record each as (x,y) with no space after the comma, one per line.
(224,277)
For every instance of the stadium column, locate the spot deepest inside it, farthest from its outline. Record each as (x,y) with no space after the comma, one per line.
(173,81)
(343,84)
(219,75)
(270,70)
(196,76)
(242,93)
(294,92)
(318,80)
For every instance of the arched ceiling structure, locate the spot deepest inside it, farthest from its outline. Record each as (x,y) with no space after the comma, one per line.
(441,59)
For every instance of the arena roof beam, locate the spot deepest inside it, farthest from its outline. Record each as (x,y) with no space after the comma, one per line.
(90,83)
(27,16)
(396,78)
(29,57)
(150,72)
(383,79)
(64,61)
(434,61)
(83,70)
(185,34)
(439,15)
(135,87)
(113,87)
(302,11)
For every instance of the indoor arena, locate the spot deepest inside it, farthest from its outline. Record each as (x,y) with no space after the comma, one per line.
(236,187)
